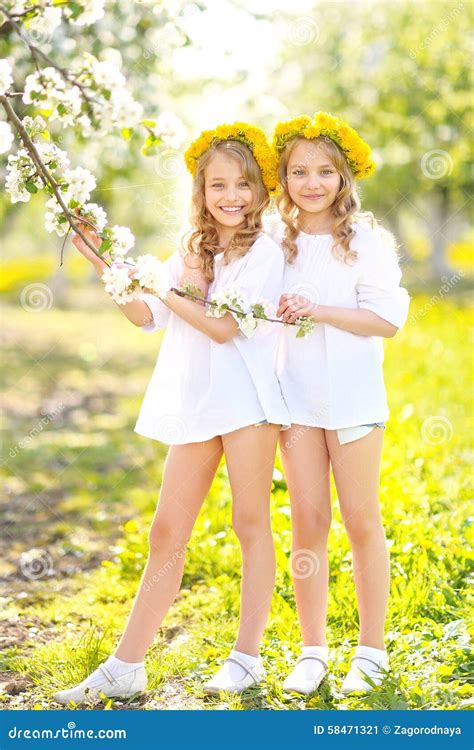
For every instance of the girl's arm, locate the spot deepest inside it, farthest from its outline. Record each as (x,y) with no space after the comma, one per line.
(219,330)
(136,311)
(359,321)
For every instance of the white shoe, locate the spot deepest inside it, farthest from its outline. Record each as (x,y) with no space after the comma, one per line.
(124,686)
(294,683)
(363,666)
(223,682)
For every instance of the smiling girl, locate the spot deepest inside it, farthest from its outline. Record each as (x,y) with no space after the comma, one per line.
(342,271)
(213,392)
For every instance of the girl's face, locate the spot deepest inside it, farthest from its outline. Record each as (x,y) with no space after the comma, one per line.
(228,195)
(313,181)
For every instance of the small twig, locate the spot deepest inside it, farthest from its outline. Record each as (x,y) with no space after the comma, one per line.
(62,246)
(182,293)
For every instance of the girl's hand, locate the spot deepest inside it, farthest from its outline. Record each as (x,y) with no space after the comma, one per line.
(292,306)
(94,239)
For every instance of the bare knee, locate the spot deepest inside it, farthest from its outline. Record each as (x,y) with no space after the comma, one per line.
(164,536)
(311,527)
(362,530)
(251,528)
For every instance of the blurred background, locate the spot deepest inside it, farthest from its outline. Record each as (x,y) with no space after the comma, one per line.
(81,486)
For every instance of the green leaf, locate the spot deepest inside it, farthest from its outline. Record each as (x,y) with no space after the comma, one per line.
(126,133)
(149,123)
(105,245)
(31,187)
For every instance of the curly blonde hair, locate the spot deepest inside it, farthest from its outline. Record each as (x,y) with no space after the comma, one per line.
(345,209)
(203,239)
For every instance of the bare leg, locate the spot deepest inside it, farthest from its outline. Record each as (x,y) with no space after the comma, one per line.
(306,464)
(250,458)
(187,478)
(356,468)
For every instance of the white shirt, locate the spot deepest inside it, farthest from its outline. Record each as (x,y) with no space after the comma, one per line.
(199,388)
(333,378)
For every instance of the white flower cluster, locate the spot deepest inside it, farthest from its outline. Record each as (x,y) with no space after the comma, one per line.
(48,17)
(6,78)
(48,90)
(22,177)
(150,275)
(111,104)
(247,314)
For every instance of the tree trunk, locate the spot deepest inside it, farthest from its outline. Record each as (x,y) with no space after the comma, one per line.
(438,208)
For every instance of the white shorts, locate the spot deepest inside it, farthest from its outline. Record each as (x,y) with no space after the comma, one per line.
(349,434)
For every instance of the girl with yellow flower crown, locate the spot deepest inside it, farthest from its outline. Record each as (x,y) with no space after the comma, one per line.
(214,392)
(342,271)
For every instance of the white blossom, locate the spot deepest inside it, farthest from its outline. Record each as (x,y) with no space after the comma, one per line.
(68,107)
(54,157)
(122,241)
(95,214)
(248,325)
(45,22)
(34,125)
(20,171)
(6,78)
(119,285)
(6,137)
(46,88)
(152,274)
(92,11)
(170,129)
(80,183)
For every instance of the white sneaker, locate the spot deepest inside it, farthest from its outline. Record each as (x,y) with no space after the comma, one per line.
(124,686)
(222,681)
(296,683)
(363,666)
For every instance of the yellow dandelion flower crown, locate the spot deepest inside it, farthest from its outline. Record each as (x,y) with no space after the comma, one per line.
(356,150)
(252,136)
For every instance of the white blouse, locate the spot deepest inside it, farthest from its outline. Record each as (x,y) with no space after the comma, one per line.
(199,388)
(333,378)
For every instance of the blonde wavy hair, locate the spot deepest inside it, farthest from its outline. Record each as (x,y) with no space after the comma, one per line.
(203,239)
(346,208)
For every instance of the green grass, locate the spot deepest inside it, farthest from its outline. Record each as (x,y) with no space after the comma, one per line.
(84,489)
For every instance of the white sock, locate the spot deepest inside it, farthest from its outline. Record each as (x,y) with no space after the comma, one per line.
(235,670)
(375,654)
(116,667)
(310,669)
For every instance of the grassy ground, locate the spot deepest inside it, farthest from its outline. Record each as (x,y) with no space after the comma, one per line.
(81,487)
